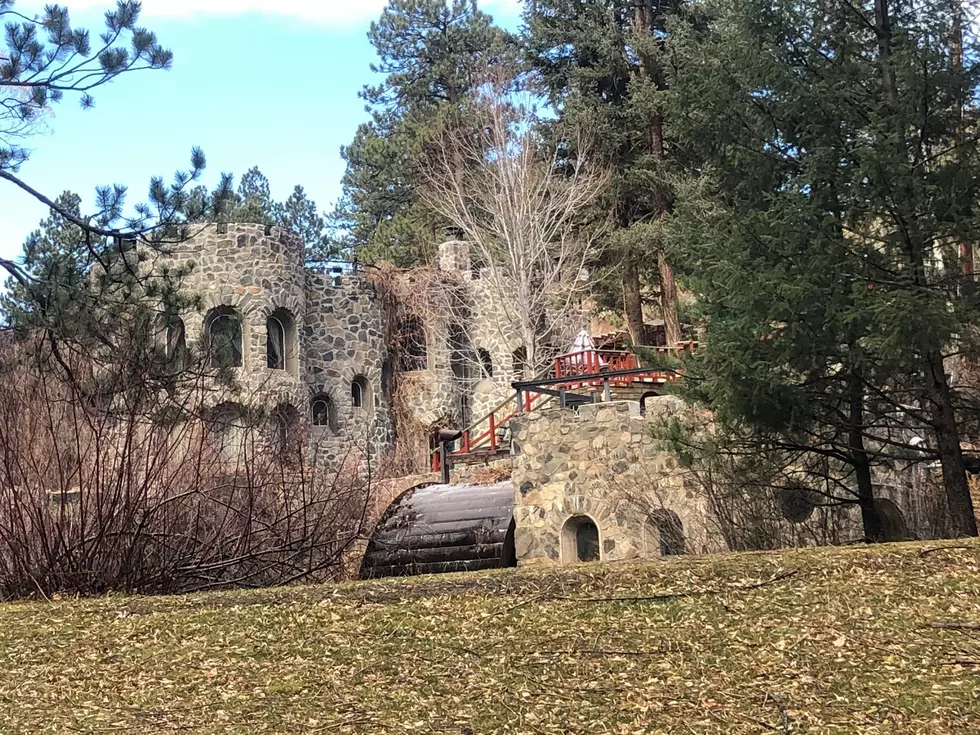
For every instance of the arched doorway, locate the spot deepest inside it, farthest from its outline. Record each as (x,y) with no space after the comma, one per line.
(670,532)
(580,541)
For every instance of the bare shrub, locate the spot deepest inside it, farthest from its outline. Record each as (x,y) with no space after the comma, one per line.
(136,493)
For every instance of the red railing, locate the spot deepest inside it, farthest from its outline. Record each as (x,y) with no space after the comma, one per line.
(590,362)
(472,439)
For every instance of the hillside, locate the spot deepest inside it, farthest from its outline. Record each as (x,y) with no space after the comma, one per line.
(879,640)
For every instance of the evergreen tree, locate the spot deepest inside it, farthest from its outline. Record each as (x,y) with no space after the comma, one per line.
(300,214)
(822,240)
(431,53)
(602,65)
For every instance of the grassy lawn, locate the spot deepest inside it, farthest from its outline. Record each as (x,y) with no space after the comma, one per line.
(869,640)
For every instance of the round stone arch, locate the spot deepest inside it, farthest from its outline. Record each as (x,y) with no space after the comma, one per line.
(246,306)
(347,376)
(616,530)
(581,540)
(319,393)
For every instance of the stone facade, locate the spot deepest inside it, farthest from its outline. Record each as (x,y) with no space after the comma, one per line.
(600,463)
(338,333)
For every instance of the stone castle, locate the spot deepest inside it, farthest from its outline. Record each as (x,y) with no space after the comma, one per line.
(353,356)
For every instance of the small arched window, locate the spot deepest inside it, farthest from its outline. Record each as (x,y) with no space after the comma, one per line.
(172,343)
(519,358)
(281,342)
(285,433)
(229,430)
(580,540)
(360,393)
(670,531)
(411,344)
(223,328)
(486,363)
(275,344)
(323,412)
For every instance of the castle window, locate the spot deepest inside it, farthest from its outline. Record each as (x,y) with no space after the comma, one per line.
(670,532)
(580,540)
(285,433)
(229,429)
(275,344)
(411,345)
(172,343)
(360,393)
(323,412)
(486,363)
(281,342)
(519,358)
(223,332)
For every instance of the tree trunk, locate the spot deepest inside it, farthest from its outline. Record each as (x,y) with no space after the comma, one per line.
(668,302)
(668,288)
(633,302)
(947,432)
(870,519)
(937,388)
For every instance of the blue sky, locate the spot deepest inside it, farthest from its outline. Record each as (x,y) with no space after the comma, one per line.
(272,84)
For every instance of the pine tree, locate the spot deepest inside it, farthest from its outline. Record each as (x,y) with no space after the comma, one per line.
(602,64)
(822,238)
(431,53)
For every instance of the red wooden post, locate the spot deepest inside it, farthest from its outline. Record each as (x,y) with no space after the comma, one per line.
(466,442)
(493,433)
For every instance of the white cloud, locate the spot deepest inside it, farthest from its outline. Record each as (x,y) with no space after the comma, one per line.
(328,12)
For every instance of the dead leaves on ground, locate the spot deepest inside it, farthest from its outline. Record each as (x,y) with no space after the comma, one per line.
(877,640)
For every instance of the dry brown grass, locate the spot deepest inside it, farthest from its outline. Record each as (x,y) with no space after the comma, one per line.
(860,640)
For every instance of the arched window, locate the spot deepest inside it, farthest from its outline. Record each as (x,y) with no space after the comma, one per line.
(281,342)
(172,342)
(229,430)
(285,432)
(411,344)
(670,532)
(323,412)
(643,401)
(360,394)
(519,357)
(486,363)
(275,344)
(580,540)
(223,331)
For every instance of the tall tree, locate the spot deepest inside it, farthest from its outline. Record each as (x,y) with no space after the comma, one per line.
(45,59)
(430,53)
(602,63)
(522,209)
(822,237)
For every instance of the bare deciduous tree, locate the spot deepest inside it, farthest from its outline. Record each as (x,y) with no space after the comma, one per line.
(524,207)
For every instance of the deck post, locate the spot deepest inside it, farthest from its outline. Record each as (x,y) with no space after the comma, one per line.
(606,391)
(562,401)
(520,402)
(444,462)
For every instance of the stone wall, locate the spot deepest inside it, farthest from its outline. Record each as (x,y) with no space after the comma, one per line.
(600,463)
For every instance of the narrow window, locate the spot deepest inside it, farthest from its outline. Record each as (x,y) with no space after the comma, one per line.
(360,393)
(411,344)
(323,412)
(224,335)
(275,344)
(519,358)
(486,363)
